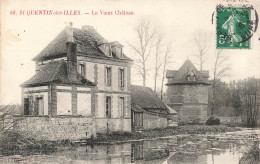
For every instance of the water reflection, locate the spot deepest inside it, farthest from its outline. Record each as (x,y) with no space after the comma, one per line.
(181,149)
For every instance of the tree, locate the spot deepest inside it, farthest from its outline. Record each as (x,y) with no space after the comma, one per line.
(220,70)
(236,102)
(158,63)
(202,41)
(145,36)
(166,61)
(251,100)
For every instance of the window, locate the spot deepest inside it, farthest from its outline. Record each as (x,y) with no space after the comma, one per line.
(108,50)
(122,77)
(108,76)
(122,106)
(108,107)
(191,75)
(119,52)
(26,106)
(82,69)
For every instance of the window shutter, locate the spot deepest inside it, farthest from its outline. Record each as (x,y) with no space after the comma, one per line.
(119,86)
(85,70)
(105,76)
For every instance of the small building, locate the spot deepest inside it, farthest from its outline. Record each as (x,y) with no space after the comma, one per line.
(187,92)
(148,110)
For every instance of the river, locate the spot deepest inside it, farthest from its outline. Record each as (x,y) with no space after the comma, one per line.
(223,148)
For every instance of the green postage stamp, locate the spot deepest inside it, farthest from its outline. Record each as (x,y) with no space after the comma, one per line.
(233,27)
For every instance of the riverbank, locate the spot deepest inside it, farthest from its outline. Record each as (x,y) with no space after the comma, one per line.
(14,142)
(119,137)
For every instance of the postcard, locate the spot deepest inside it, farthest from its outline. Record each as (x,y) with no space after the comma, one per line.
(119,81)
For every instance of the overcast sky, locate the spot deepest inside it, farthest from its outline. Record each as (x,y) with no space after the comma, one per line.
(23,36)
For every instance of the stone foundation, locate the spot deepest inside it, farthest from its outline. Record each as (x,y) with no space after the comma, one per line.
(55,128)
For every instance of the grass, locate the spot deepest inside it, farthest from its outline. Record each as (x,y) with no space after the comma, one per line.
(155,133)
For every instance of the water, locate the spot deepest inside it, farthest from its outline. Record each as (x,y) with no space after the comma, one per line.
(226,148)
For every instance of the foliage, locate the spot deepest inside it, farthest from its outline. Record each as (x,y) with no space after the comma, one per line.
(13,142)
(220,70)
(213,120)
(236,103)
(252,156)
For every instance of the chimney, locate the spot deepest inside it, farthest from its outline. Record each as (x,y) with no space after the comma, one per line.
(69,31)
(71,54)
(72,60)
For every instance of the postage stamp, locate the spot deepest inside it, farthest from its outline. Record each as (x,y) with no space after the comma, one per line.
(233,27)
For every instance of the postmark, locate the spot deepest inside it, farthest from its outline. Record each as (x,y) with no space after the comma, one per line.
(234,27)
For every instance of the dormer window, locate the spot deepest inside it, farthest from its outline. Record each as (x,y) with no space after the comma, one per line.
(191,75)
(82,69)
(117,49)
(108,51)
(119,52)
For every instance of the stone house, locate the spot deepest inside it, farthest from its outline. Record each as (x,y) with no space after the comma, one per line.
(80,75)
(187,92)
(148,110)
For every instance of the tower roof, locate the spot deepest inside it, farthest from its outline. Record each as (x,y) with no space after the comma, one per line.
(187,74)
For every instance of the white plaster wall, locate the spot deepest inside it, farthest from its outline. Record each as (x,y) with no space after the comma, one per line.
(115,79)
(64,103)
(84,104)
(64,87)
(83,89)
(90,71)
(35,88)
(101,76)
(126,77)
(45,100)
(115,106)
(100,111)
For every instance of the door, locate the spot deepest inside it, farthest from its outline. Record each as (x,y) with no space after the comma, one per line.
(138,119)
(39,106)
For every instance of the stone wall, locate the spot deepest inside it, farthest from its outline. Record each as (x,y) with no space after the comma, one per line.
(151,121)
(190,101)
(104,125)
(193,113)
(55,128)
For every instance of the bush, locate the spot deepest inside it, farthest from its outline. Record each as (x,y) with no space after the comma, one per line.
(213,120)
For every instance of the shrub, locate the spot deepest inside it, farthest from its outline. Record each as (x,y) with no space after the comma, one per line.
(213,120)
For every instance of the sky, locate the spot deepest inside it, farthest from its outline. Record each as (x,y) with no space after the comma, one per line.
(24,36)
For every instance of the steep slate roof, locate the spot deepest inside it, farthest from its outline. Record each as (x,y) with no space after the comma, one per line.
(170,73)
(87,45)
(145,98)
(116,43)
(55,72)
(180,77)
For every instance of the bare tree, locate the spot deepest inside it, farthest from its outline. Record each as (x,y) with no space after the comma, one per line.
(251,101)
(158,63)
(145,36)
(202,42)
(220,70)
(166,61)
